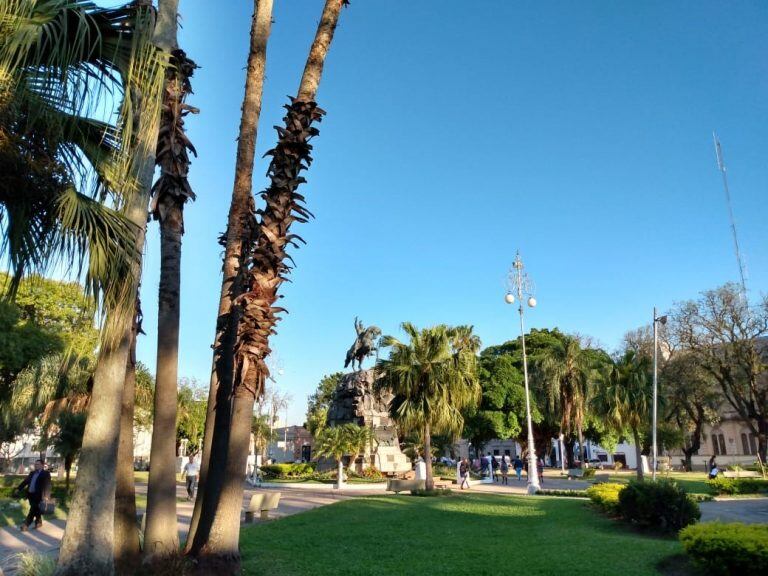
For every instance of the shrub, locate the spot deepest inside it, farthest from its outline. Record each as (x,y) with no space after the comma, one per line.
(723,485)
(728,548)
(434,492)
(370,473)
(589,472)
(606,495)
(284,471)
(618,465)
(34,564)
(661,505)
(567,493)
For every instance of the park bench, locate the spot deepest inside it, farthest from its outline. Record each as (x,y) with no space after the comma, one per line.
(261,503)
(575,473)
(441,484)
(741,474)
(398,486)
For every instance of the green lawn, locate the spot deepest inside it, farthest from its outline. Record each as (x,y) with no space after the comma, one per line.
(477,534)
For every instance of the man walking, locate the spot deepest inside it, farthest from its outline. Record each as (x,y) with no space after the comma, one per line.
(38,485)
(191,470)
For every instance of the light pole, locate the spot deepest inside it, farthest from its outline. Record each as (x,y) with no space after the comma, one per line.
(520,283)
(656,321)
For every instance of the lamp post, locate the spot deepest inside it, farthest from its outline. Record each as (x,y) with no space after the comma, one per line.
(656,321)
(520,283)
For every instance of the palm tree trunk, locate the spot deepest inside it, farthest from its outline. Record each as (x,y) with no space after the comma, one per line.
(339,472)
(67,471)
(582,452)
(240,227)
(638,453)
(87,546)
(127,546)
(430,483)
(256,306)
(170,192)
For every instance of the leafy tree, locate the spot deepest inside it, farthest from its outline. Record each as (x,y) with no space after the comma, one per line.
(192,408)
(501,411)
(263,433)
(68,438)
(433,379)
(727,338)
(361,437)
(320,401)
(336,442)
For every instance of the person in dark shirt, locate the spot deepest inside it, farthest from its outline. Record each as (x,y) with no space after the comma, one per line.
(38,485)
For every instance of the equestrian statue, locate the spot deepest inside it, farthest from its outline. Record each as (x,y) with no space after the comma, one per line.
(365,344)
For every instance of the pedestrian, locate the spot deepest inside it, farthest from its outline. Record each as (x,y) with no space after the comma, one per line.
(38,485)
(504,468)
(464,473)
(191,471)
(494,467)
(540,469)
(518,466)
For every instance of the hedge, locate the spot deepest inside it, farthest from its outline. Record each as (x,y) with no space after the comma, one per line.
(731,548)
(723,485)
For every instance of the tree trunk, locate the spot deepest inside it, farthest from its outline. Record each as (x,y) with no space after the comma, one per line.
(430,483)
(569,447)
(638,453)
(87,547)
(240,226)
(161,537)
(582,452)
(127,546)
(67,471)
(762,438)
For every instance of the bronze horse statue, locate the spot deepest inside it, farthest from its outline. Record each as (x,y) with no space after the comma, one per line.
(365,344)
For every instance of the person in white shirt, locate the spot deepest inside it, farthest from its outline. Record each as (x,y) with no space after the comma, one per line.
(191,471)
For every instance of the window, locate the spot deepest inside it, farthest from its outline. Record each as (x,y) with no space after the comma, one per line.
(744,444)
(721,438)
(495,452)
(506,452)
(748,443)
(753,444)
(715,447)
(718,444)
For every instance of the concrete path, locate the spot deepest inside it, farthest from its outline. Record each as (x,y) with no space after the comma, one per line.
(750,511)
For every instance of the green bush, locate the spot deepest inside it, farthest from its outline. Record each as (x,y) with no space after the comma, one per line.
(606,495)
(285,471)
(662,505)
(434,492)
(566,493)
(370,473)
(728,548)
(723,485)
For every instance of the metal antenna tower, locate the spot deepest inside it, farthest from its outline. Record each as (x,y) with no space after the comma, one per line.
(721,167)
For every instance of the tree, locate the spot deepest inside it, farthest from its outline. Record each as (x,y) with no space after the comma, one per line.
(624,398)
(565,371)
(336,442)
(263,433)
(360,437)
(68,438)
(268,236)
(170,193)
(433,378)
(728,339)
(191,415)
(501,410)
(320,401)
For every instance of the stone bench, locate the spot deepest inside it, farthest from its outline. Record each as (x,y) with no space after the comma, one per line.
(261,503)
(741,474)
(575,473)
(398,486)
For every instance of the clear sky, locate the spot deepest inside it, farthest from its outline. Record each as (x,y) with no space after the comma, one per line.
(459,132)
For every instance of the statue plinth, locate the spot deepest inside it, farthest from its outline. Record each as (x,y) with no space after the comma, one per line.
(356,401)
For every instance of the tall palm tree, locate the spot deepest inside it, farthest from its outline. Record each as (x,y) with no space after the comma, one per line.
(170,193)
(565,371)
(337,442)
(624,397)
(433,378)
(266,264)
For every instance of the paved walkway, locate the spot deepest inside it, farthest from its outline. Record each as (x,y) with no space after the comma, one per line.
(748,510)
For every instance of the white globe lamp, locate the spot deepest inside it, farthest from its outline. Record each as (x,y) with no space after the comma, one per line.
(509,298)
(532,302)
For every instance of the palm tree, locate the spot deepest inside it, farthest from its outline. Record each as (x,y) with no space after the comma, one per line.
(241,368)
(170,193)
(433,378)
(565,371)
(336,442)
(624,397)
(68,438)
(361,437)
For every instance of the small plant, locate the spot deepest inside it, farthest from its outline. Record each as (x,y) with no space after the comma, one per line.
(589,472)
(34,564)
(728,548)
(618,466)
(661,505)
(286,471)
(564,493)
(606,496)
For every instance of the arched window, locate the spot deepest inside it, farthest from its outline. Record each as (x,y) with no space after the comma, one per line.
(745,444)
(715,445)
(753,444)
(721,439)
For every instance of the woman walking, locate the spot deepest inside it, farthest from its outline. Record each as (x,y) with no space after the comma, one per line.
(504,468)
(464,473)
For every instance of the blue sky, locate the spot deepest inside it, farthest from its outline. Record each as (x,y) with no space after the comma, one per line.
(457,133)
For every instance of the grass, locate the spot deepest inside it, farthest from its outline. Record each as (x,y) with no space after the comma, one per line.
(479,534)
(692,482)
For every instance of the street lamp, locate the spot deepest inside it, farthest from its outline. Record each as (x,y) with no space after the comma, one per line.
(656,321)
(520,283)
